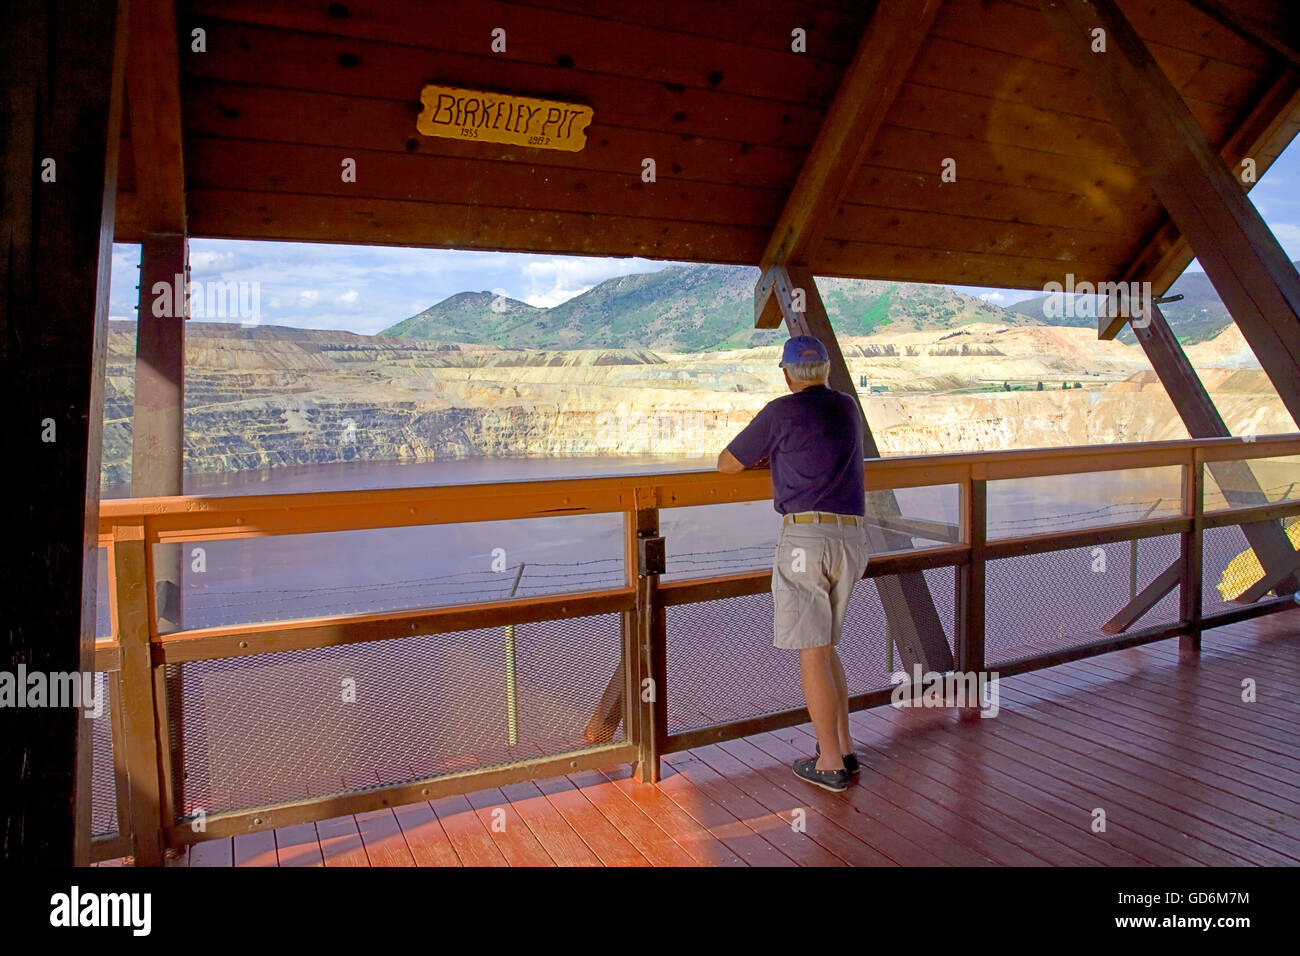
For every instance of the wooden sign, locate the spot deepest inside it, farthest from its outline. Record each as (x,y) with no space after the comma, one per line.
(503,118)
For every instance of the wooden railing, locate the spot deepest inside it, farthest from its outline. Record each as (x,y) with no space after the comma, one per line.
(137,653)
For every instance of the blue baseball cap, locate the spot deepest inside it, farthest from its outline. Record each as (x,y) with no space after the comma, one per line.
(803,349)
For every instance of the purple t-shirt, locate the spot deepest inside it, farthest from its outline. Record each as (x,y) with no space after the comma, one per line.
(814,438)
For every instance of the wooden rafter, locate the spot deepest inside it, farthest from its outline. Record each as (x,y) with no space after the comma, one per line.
(884,56)
(1256,31)
(1262,136)
(1241,256)
(154,97)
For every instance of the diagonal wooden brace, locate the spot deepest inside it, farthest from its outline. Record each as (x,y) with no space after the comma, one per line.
(1145,600)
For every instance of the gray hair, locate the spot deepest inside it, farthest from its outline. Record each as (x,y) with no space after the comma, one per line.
(808,371)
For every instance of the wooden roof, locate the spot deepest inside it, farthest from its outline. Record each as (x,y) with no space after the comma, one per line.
(712,92)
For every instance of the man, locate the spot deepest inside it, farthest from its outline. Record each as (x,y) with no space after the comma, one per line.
(813,439)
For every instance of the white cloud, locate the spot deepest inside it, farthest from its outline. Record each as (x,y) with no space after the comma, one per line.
(350,300)
(553,297)
(216,261)
(307,298)
(1288,234)
(557,279)
(997,298)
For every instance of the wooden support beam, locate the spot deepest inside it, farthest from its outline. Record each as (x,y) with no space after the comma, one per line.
(1261,137)
(883,59)
(157,453)
(1242,258)
(158,414)
(648,686)
(158,422)
(914,624)
(1256,31)
(1202,420)
(1146,599)
(61,66)
(139,718)
(153,92)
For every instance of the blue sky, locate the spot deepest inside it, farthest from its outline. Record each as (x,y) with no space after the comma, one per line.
(368,288)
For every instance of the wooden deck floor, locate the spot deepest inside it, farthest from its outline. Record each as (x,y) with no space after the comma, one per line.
(1186,773)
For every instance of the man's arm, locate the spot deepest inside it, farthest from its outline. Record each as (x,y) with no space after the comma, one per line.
(753,444)
(727,463)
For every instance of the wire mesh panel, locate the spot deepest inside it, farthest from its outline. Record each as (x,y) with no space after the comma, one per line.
(1229,565)
(283,726)
(1044,602)
(103,783)
(722,665)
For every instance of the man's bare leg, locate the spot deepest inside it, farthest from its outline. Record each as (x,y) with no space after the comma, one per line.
(842,689)
(821,692)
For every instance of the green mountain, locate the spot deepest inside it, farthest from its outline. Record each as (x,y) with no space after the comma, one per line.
(474,317)
(688,308)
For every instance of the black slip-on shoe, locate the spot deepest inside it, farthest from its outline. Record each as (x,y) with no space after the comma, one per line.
(851,763)
(836,781)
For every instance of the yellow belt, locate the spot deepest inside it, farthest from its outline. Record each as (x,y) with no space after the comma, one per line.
(821,517)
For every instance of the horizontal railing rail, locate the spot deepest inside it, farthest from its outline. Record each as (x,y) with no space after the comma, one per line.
(138,653)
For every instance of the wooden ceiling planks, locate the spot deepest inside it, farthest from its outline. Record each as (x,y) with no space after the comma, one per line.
(712,93)
(583,42)
(1092,216)
(230,111)
(296,217)
(967,91)
(314,170)
(833,28)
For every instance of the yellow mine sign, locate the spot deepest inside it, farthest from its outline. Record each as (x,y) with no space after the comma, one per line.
(503,118)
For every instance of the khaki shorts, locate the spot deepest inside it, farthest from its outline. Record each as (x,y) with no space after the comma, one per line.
(816,566)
